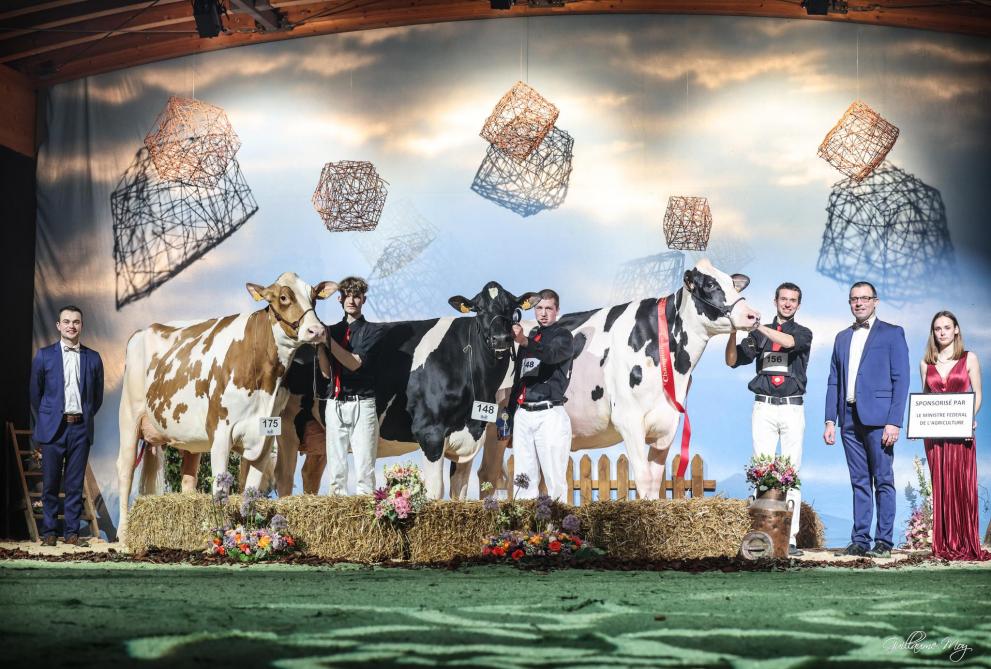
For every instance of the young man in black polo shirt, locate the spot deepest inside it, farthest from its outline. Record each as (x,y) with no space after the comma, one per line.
(782,353)
(541,427)
(350,418)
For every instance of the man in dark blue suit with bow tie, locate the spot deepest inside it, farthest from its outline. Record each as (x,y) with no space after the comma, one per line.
(66,392)
(866,396)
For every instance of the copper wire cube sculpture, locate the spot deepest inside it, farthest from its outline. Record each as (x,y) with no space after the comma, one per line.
(350,196)
(162,227)
(889,229)
(650,277)
(687,223)
(537,183)
(859,142)
(192,142)
(519,122)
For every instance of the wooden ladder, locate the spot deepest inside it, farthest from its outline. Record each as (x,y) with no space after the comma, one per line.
(20,441)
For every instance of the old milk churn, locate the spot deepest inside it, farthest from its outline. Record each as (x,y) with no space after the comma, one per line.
(770,525)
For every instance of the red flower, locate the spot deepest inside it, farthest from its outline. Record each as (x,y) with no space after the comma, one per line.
(289,540)
(517,554)
(222,550)
(498,551)
(555,546)
(578,542)
(486,550)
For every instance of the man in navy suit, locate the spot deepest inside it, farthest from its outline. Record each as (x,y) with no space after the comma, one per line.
(66,392)
(866,396)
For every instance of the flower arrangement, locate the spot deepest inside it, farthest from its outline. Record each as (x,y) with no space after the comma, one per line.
(772,473)
(919,529)
(542,540)
(248,535)
(402,496)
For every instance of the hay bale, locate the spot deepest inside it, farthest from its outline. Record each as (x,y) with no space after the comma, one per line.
(666,529)
(340,528)
(173,520)
(811,531)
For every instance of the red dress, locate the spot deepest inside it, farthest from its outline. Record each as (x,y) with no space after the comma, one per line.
(953,467)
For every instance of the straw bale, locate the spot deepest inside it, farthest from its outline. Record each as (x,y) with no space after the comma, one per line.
(340,528)
(666,529)
(811,531)
(173,520)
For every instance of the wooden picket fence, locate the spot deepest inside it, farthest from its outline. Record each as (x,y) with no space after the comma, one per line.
(603,486)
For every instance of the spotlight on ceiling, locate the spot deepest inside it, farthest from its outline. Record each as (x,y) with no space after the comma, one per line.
(207,14)
(502,4)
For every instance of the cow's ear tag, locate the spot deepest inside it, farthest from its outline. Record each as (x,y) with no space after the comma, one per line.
(464,308)
(526,305)
(255,291)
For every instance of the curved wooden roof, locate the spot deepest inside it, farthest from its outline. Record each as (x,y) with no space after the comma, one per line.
(51,41)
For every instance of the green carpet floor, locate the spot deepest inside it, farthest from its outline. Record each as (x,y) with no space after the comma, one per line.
(58,615)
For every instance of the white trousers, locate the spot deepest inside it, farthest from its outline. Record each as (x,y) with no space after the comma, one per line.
(352,424)
(787,422)
(542,444)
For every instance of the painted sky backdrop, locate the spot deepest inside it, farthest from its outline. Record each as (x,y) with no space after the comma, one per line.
(729,108)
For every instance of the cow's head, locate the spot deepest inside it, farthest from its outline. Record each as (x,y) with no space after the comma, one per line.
(494,307)
(717,298)
(290,301)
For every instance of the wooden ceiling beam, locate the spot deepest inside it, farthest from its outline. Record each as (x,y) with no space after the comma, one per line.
(78,14)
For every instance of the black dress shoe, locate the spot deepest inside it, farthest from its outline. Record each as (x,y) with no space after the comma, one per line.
(49,540)
(76,540)
(793,551)
(880,550)
(855,550)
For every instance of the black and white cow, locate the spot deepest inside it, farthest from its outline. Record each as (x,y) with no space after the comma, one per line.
(428,374)
(616,393)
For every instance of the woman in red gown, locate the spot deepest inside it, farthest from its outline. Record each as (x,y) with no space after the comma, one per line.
(948,368)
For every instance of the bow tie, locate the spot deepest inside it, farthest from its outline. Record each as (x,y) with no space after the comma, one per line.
(74,349)
(857,325)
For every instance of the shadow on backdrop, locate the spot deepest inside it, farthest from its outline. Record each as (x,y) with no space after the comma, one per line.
(889,229)
(650,277)
(528,187)
(162,227)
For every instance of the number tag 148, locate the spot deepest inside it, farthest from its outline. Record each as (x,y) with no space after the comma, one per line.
(486,411)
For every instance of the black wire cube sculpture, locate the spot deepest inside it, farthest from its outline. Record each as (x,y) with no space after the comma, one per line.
(350,196)
(687,223)
(532,185)
(192,143)
(729,252)
(649,277)
(415,290)
(401,236)
(161,227)
(889,229)
(519,122)
(859,142)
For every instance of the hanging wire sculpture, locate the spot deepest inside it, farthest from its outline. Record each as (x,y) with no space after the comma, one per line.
(889,229)
(528,187)
(519,122)
(652,276)
(687,223)
(192,143)
(350,196)
(415,290)
(162,227)
(730,252)
(859,142)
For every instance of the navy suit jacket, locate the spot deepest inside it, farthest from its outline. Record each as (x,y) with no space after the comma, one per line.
(882,378)
(48,390)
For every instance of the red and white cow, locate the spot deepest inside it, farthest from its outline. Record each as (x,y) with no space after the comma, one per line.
(204,386)
(616,393)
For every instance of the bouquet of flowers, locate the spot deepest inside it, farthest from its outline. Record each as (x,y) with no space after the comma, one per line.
(247,535)
(772,473)
(402,496)
(919,530)
(553,544)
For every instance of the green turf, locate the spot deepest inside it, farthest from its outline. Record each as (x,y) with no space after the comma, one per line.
(300,617)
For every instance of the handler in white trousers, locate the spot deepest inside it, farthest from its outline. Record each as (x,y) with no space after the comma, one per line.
(351,419)
(781,350)
(541,427)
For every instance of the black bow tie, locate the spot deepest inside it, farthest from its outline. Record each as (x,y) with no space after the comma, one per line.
(857,325)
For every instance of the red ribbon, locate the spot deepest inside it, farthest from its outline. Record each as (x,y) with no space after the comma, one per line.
(338,368)
(667,379)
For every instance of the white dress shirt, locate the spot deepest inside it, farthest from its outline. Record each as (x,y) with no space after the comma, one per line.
(70,376)
(857,343)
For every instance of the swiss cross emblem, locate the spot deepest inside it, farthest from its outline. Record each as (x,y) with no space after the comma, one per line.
(777,380)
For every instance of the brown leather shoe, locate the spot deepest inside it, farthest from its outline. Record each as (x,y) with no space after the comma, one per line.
(49,540)
(76,540)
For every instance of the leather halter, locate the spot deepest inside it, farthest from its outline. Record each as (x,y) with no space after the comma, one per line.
(293,325)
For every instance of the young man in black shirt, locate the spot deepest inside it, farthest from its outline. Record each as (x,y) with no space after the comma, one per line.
(350,419)
(782,353)
(541,427)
